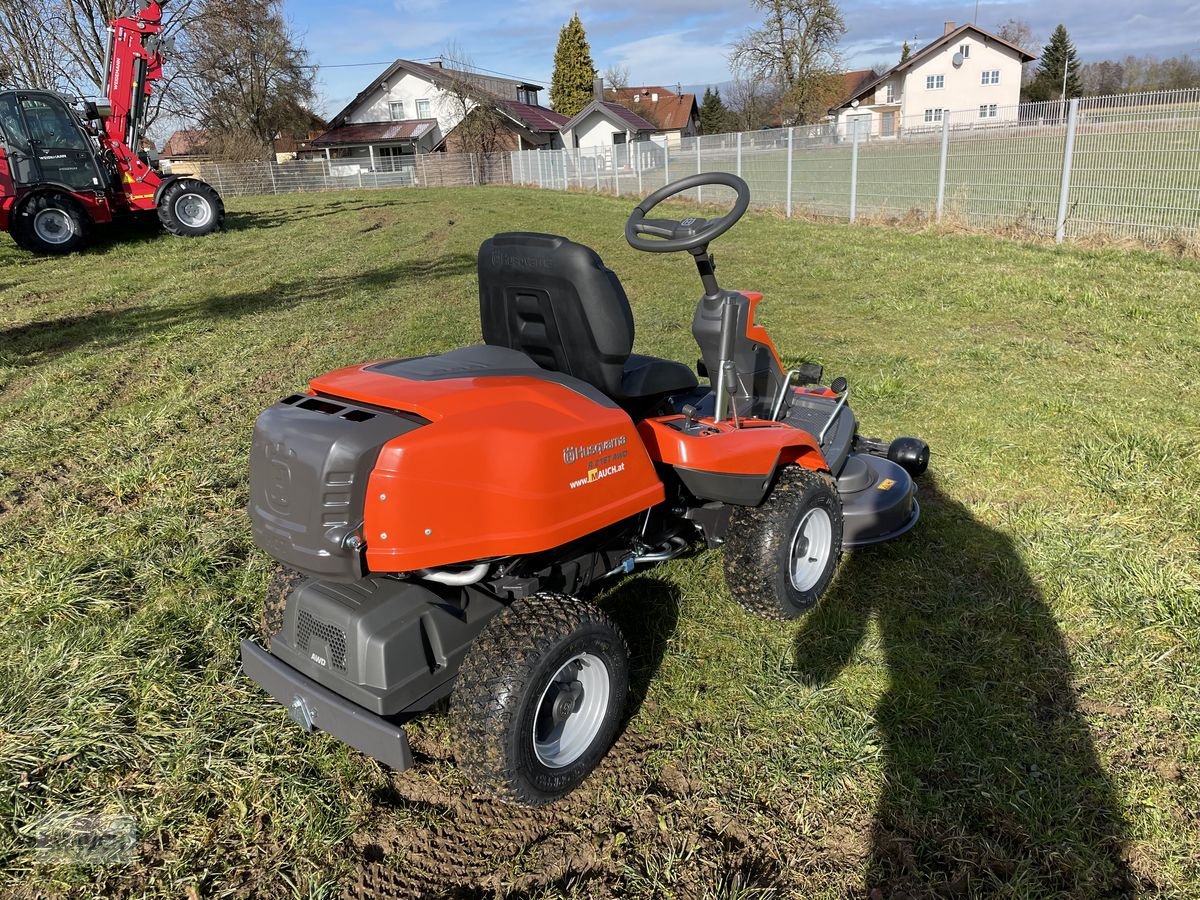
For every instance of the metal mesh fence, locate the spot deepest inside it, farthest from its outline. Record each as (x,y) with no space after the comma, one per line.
(1126,165)
(422,170)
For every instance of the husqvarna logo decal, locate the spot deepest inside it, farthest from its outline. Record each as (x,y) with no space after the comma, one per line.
(601,459)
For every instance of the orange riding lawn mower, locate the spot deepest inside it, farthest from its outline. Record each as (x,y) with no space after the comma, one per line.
(438,518)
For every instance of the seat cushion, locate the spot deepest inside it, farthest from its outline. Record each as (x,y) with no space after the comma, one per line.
(648,376)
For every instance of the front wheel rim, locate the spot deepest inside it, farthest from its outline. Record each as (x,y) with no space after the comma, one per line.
(193,210)
(53,226)
(571,711)
(812,545)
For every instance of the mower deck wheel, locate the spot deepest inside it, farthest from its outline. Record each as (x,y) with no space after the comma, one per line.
(780,556)
(539,698)
(190,208)
(51,223)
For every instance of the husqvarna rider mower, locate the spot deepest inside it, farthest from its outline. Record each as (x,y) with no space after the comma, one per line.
(439,517)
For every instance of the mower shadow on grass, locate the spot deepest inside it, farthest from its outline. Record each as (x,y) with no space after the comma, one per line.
(991,780)
(42,341)
(646,608)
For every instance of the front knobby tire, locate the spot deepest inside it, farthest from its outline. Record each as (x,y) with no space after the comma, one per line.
(780,556)
(51,223)
(188,207)
(539,698)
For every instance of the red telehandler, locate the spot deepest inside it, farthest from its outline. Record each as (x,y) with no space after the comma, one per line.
(63,172)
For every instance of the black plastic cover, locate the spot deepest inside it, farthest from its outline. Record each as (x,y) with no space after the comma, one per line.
(309,464)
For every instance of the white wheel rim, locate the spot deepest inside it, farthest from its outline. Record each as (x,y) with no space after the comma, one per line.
(193,210)
(811,546)
(571,711)
(53,226)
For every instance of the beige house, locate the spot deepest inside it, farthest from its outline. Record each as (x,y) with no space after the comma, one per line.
(968,71)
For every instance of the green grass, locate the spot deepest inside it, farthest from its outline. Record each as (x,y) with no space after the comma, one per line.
(1003,703)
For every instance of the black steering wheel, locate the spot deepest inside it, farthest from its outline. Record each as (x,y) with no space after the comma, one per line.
(691,233)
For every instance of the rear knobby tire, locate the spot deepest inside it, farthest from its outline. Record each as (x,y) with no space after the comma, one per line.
(780,556)
(188,207)
(539,698)
(279,589)
(51,223)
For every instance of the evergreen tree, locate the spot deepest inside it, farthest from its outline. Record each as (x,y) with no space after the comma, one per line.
(905,52)
(714,116)
(574,71)
(1058,57)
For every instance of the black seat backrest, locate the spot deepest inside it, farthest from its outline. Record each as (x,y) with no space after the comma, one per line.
(554,300)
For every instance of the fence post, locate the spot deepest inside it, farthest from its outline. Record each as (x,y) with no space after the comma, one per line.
(699,169)
(1064,193)
(220,186)
(739,154)
(941,190)
(666,163)
(271,168)
(638,163)
(596,169)
(617,167)
(787,203)
(854,176)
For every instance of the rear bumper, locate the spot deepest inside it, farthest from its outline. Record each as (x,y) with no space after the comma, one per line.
(314,707)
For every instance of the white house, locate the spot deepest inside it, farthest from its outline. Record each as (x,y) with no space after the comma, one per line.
(414,107)
(603,123)
(969,71)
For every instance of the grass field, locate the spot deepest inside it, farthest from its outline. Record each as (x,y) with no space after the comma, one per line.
(1002,703)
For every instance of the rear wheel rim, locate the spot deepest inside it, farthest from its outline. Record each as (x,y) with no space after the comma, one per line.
(53,226)
(193,210)
(571,711)
(812,545)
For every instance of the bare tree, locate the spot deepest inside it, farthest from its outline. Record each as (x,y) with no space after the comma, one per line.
(482,125)
(62,45)
(617,77)
(749,103)
(27,49)
(246,78)
(1019,33)
(795,49)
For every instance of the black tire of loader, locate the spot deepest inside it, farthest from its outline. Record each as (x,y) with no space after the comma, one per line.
(279,588)
(176,189)
(758,547)
(25,236)
(502,680)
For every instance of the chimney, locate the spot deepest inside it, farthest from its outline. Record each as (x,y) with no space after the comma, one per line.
(947,28)
(437,63)
(598,88)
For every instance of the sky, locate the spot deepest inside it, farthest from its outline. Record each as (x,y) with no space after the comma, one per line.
(686,42)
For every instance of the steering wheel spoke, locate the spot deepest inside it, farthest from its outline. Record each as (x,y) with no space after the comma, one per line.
(660,235)
(658,227)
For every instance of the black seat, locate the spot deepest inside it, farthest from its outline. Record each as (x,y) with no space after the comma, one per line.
(555,301)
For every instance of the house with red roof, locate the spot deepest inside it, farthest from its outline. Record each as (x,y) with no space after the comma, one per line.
(675,116)
(605,123)
(414,107)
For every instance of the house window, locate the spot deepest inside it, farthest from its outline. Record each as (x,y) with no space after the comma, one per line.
(965,50)
(637,98)
(989,76)
(987,111)
(423,109)
(891,93)
(396,110)
(527,96)
(935,82)
(933,115)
